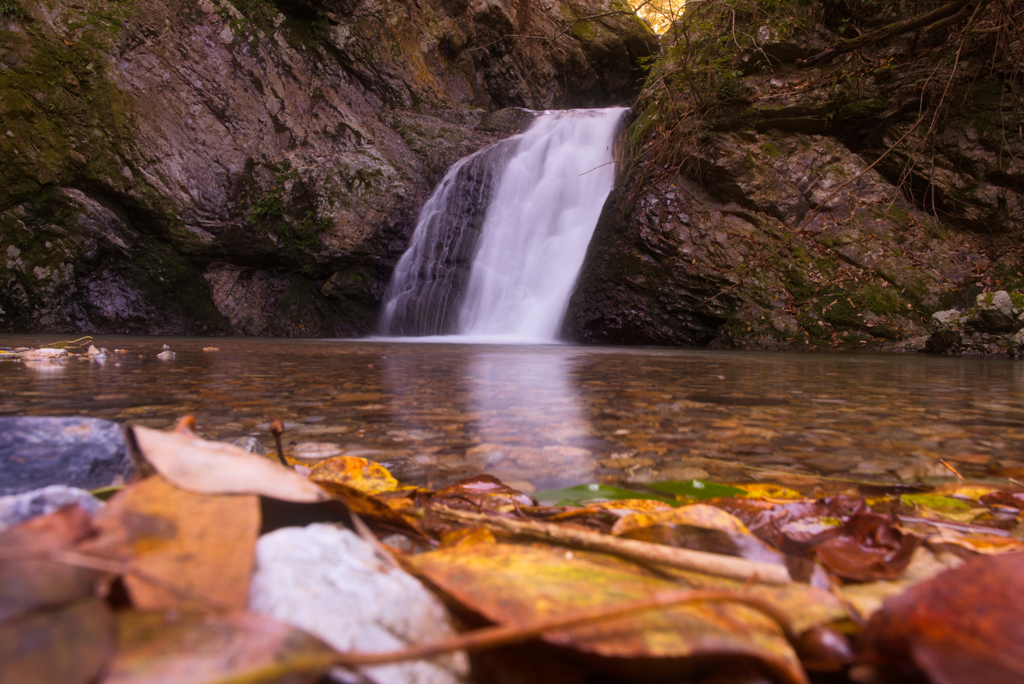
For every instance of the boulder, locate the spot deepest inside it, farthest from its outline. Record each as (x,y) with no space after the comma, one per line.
(994,312)
(87,453)
(949,319)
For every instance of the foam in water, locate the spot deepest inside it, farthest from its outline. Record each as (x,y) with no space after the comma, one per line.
(499,245)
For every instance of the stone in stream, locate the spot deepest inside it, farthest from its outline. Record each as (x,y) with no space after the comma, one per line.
(46,354)
(20,507)
(251,444)
(79,452)
(329,582)
(995,312)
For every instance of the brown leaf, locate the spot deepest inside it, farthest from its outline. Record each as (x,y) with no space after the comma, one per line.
(515,584)
(377,509)
(26,584)
(358,473)
(68,645)
(206,467)
(170,648)
(483,492)
(183,550)
(865,548)
(697,526)
(962,627)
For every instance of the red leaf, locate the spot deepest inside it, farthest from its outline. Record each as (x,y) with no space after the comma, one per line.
(962,627)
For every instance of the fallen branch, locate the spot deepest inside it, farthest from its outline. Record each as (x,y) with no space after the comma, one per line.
(700,561)
(886,32)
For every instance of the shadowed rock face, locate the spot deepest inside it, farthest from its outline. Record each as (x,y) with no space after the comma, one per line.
(741,260)
(806,218)
(256,168)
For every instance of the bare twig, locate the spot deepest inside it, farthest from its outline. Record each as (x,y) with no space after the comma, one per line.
(277,429)
(710,563)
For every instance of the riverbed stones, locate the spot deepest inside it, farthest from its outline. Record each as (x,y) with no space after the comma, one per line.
(329,582)
(79,452)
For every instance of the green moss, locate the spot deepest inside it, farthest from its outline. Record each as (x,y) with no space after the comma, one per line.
(881,300)
(69,122)
(771,150)
(584,30)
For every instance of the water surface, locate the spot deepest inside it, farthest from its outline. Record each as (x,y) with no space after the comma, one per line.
(552,415)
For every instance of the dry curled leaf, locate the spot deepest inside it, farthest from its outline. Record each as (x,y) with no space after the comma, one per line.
(207,467)
(30,577)
(181,549)
(962,627)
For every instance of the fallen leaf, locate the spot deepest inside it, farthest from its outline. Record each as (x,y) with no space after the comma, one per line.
(1007,499)
(513,584)
(483,492)
(172,648)
(626,506)
(43,581)
(768,491)
(183,550)
(941,507)
(69,644)
(358,473)
(207,467)
(962,627)
(467,536)
(697,515)
(397,512)
(866,547)
(700,527)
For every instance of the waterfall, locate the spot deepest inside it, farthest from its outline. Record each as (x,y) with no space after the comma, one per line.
(498,246)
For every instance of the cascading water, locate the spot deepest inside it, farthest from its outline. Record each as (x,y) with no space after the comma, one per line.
(499,244)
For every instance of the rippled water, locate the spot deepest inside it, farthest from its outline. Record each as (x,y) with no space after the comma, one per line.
(552,415)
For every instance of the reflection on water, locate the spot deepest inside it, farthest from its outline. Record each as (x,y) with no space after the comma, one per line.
(557,415)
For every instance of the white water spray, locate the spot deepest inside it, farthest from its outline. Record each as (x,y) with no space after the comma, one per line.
(549,185)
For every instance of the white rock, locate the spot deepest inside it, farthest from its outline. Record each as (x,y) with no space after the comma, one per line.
(952,319)
(166,355)
(329,582)
(995,312)
(19,507)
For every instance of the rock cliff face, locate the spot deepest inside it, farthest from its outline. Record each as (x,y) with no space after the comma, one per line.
(820,207)
(216,167)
